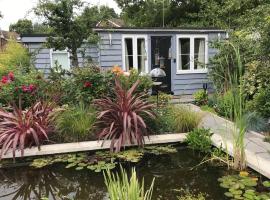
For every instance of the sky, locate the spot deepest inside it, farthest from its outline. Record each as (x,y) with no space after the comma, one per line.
(12,10)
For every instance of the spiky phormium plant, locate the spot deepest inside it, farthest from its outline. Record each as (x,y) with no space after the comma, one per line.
(24,128)
(121,118)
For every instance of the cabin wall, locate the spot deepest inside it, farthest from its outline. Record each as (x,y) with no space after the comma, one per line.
(188,83)
(109,53)
(110,49)
(41,55)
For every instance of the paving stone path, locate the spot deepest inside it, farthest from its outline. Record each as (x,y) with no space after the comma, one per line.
(257,151)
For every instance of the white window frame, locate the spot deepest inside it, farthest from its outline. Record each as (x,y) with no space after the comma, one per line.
(192,63)
(135,52)
(59,52)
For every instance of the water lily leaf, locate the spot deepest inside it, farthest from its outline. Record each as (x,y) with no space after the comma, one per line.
(79,168)
(228,194)
(71,165)
(266,183)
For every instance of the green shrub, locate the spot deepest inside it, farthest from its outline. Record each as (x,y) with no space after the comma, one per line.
(86,84)
(208,109)
(89,83)
(256,77)
(267,138)
(145,81)
(177,119)
(201,97)
(163,99)
(19,85)
(13,58)
(223,104)
(74,123)
(200,139)
(261,102)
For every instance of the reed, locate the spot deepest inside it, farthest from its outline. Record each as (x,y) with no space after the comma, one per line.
(121,187)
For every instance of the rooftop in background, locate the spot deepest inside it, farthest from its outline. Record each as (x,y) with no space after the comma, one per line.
(5,36)
(180,30)
(9,35)
(111,23)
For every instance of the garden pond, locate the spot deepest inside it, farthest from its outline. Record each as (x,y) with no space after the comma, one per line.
(174,173)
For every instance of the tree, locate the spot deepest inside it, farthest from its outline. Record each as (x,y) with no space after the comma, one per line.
(68,32)
(41,28)
(70,28)
(199,13)
(22,26)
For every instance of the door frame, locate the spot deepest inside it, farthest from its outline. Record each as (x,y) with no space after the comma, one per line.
(171,36)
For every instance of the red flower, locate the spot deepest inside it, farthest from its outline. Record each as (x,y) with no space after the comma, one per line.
(11,76)
(4,79)
(24,88)
(87,84)
(31,87)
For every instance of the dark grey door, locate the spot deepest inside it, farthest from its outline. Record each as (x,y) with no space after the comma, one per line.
(160,56)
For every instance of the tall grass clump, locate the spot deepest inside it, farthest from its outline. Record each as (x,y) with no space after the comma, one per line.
(237,114)
(176,119)
(184,119)
(121,187)
(74,123)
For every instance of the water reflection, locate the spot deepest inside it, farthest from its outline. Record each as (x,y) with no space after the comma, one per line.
(172,173)
(26,183)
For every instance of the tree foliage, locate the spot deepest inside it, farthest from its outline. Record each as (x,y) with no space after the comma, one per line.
(214,13)
(70,27)
(26,26)
(22,26)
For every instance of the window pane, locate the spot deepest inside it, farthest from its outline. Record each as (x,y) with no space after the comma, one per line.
(128,53)
(184,54)
(199,53)
(141,54)
(61,59)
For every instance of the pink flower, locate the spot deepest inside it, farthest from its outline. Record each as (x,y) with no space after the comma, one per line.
(31,87)
(24,88)
(4,79)
(11,76)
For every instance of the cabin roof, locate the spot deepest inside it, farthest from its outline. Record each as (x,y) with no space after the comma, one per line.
(159,29)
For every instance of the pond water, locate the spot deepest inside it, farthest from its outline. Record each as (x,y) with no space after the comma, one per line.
(172,172)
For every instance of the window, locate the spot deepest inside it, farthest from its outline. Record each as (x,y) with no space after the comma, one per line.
(60,58)
(141,54)
(192,53)
(128,53)
(184,53)
(134,53)
(199,53)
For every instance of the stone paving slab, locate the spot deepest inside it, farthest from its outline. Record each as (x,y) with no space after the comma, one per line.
(257,151)
(91,145)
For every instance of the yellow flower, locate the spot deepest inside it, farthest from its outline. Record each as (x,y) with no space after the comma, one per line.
(243,173)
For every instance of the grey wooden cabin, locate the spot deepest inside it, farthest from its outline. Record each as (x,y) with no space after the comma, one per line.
(182,53)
